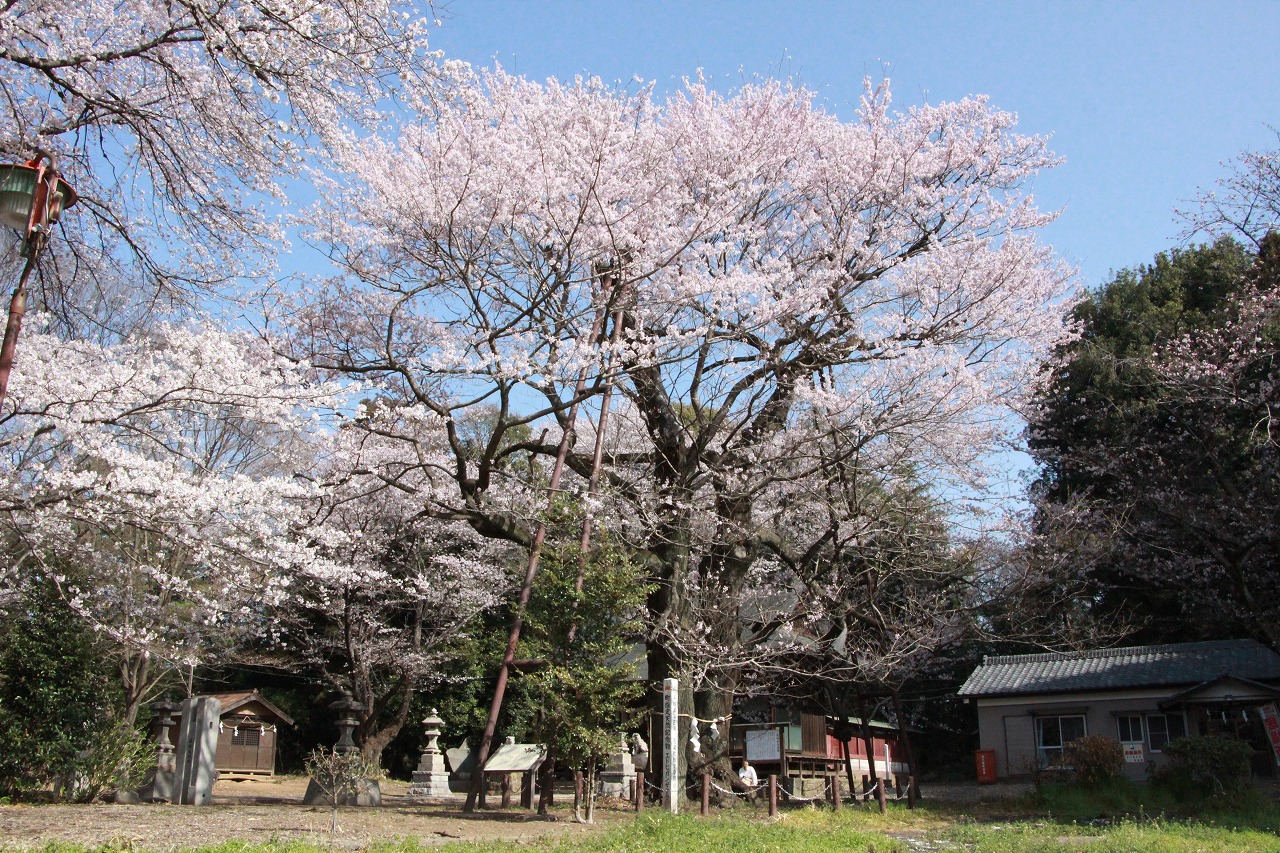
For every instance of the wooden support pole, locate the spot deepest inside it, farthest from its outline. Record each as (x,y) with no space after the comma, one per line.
(911,792)
(834,780)
(866,787)
(773,795)
(880,786)
(639,791)
(506,790)
(706,794)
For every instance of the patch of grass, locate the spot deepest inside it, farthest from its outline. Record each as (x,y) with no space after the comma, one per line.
(793,832)
(1153,836)
(1121,801)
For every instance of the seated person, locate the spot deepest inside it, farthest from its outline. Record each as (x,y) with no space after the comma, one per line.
(747,774)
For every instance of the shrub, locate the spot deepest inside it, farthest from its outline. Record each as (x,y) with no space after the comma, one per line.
(1096,760)
(341,777)
(1209,765)
(116,761)
(55,693)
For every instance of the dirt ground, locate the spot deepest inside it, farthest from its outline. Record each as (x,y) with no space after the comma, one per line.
(261,810)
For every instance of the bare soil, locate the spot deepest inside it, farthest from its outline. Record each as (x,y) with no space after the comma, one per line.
(265,810)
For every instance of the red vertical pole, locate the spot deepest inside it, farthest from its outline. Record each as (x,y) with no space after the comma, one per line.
(773,795)
(17,309)
(706,793)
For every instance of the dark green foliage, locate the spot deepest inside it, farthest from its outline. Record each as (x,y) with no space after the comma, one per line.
(1103,385)
(1157,478)
(1200,767)
(1096,760)
(581,693)
(55,690)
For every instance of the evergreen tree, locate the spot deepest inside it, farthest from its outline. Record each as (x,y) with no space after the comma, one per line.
(54,689)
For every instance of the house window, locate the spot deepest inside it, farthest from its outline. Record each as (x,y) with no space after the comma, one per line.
(1162,728)
(1052,733)
(1129,728)
(246,737)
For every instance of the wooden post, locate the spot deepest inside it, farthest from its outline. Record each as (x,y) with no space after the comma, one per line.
(773,795)
(911,792)
(706,794)
(897,785)
(866,788)
(506,790)
(848,761)
(880,792)
(528,788)
(834,780)
(639,791)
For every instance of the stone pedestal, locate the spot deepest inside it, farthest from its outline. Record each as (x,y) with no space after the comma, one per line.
(431,778)
(619,775)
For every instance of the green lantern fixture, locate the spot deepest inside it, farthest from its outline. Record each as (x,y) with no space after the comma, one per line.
(32,198)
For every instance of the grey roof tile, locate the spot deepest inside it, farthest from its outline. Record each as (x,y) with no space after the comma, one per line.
(1118,669)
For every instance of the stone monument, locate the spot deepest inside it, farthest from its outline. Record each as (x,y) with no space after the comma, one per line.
(194,772)
(619,776)
(462,760)
(431,778)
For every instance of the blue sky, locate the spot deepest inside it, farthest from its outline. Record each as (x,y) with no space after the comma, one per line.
(1143,100)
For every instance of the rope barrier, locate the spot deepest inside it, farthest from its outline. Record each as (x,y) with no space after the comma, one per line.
(750,790)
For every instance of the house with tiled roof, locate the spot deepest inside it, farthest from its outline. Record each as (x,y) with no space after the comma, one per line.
(1031,706)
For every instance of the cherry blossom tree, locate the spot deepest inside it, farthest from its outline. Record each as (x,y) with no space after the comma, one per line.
(748,272)
(1246,203)
(180,124)
(392,591)
(155,479)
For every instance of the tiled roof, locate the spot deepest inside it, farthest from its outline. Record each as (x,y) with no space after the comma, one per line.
(1119,669)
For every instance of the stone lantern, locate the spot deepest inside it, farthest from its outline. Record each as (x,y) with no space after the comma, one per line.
(431,778)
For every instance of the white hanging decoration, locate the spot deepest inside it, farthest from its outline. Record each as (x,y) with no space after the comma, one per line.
(715,729)
(693,738)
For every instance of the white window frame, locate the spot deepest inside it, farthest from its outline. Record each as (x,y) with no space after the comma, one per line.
(1141,731)
(1043,753)
(1146,722)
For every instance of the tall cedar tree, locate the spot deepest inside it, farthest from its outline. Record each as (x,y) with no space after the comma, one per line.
(1168,478)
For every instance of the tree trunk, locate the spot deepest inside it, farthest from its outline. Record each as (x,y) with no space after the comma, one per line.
(913,772)
(547,784)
